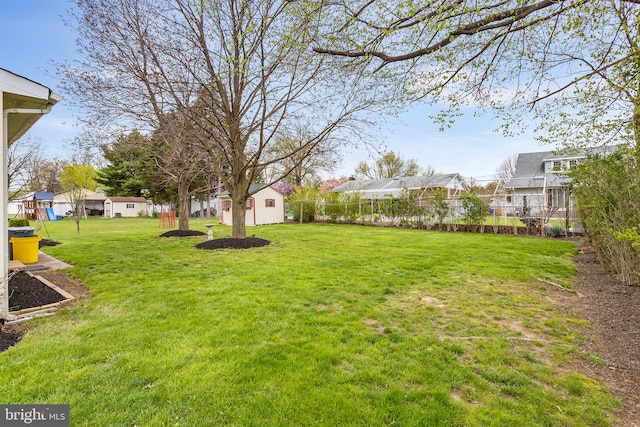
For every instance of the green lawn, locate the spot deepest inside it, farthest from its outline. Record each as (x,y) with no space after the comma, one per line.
(329,325)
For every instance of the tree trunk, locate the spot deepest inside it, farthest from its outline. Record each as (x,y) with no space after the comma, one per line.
(184,200)
(238,214)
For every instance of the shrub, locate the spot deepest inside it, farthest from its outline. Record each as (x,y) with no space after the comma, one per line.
(474,209)
(556,231)
(302,203)
(607,192)
(18,222)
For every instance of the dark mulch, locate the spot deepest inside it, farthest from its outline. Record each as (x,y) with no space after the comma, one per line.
(233,243)
(47,242)
(26,291)
(182,233)
(10,335)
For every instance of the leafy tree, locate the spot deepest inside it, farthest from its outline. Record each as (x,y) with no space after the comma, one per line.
(440,205)
(607,193)
(408,205)
(352,206)
(331,183)
(572,64)
(125,173)
(389,208)
(76,180)
(241,71)
(333,206)
(474,209)
(389,165)
(303,203)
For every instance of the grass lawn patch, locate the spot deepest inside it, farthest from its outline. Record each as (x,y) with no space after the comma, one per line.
(327,325)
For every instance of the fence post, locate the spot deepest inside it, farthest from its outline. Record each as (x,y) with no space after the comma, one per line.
(301,210)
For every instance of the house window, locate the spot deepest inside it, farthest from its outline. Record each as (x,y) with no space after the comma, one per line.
(249,204)
(226,205)
(555,198)
(557,165)
(572,163)
(130,206)
(270,203)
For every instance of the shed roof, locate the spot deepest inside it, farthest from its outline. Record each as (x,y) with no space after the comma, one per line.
(253,189)
(124,199)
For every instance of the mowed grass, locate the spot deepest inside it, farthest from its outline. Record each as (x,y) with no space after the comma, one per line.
(329,325)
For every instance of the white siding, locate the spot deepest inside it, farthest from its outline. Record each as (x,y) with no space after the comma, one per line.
(269,213)
(125,209)
(260,213)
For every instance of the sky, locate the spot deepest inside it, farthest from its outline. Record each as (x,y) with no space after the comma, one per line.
(35,39)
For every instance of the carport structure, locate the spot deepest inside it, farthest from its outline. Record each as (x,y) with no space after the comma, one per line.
(22,102)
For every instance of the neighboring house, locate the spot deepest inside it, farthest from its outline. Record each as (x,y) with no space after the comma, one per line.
(540,185)
(126,207)
(94,203)
(199,207)
(265,206)
(32,205)
(393,187)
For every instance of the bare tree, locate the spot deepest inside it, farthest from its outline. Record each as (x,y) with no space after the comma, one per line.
(241,71)
(180,160)
(389,165)
(305,162)
(45,176)
(507,168)
(23,156)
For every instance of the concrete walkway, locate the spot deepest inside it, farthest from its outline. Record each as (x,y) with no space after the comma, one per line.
(45,262)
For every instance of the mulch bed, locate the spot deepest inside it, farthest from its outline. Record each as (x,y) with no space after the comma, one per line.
(608,304)
(47,242)
(10,335)
(223,243)
(26,291)
(182,233)
(233,243)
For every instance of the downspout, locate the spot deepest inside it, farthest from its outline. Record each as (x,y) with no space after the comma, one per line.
(4,211)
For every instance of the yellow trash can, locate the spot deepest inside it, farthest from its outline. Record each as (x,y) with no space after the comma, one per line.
(25,249)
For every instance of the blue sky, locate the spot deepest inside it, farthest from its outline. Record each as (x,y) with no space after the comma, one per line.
(35,39)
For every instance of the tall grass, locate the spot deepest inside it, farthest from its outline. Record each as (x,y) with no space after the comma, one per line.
(329,325)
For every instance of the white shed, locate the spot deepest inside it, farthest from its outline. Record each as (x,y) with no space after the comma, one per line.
(265,206)
(126,206)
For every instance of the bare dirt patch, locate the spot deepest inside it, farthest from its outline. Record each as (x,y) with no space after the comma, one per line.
(613,309)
